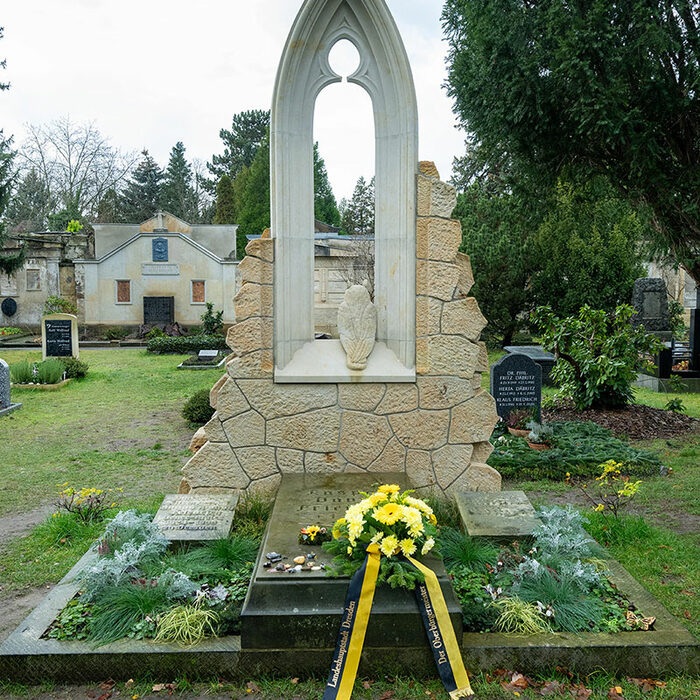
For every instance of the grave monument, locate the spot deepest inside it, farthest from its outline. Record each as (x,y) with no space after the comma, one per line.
(6,405)
(289,404)
(59,336)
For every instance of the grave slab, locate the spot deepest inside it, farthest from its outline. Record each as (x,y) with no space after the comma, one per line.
(498,516)
(196,517)
(303,610)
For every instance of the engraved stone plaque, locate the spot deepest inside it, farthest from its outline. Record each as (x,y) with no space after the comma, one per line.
(508,514)
(196,517)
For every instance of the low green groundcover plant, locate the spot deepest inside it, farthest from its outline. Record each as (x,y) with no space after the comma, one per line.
(138,588)
(578,448)
(49,371)
(10,330)
(197,409)
(557,585)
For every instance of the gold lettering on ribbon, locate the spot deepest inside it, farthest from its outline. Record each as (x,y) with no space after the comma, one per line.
(345,631)
(433,627)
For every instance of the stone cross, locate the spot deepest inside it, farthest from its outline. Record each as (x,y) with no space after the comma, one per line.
(4,385)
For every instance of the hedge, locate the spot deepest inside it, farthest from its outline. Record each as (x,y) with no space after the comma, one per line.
(186,344)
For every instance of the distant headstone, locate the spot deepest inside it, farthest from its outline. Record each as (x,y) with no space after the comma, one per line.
(196,517)
(59,336)
(508,514)
(546,360)
(650,302)
(6,405)
(8,307)
(516,382)
(208,354)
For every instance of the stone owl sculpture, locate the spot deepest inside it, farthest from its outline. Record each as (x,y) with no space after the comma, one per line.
(357,325)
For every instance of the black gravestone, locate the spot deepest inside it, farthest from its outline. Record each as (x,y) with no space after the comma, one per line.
(9,307)
(59,341)
(516,382)
(695,335)
(650,302)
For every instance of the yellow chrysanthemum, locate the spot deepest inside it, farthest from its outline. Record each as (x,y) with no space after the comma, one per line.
(408,547)
(355,529)
(418,503)
(349,551)
(389,545)
(389,514)
(429,544)
(433,519)
(389,489)
(377,498)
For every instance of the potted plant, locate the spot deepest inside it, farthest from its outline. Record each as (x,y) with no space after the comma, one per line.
(540,436)
(518,422)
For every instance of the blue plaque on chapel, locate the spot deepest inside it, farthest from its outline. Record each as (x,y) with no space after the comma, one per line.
(160,250)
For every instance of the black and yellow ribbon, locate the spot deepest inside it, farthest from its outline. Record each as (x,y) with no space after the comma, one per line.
(353,628)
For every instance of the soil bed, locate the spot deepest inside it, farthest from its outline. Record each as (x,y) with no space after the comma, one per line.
(636,422)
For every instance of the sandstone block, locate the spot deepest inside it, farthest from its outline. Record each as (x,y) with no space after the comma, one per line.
(354,469)
(215,466)
(214,430)
(276,400)
(450,462)
(438,239)
(392,458)
(360,397)
(263,248)
(474,420)
(463,317)
(245,430)
(479,477)
(250,336)
(443,392)
(399,398)
(327,463)
(436,279)
(254,365)
(214,392)
(255,270)
(199,439)
(230,400)
(419,468)
(435,198)
(258,462)
(184,487)
(465,280)
(363,436)
(312,431)
(482,451)
(446,355)
(423,430)
(427,167)
(253,300)
(428,316)
(265,488)
(483,363)
(290,461)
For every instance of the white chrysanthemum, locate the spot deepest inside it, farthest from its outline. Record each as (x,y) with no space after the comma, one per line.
(429,544)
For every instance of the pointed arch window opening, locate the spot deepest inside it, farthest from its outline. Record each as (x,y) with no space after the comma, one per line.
(344,131)
(385,74)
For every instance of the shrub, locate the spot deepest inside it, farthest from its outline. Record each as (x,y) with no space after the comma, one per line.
(49,371)
(115,333)
(74,368)
(598,353)
(197,410)
(58,305)
(10,330)
(186,344)
(87,504)
(22,372)
(155,332)
(212,323)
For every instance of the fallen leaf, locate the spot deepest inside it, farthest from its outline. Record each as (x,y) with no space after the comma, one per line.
(580,692)
(129,683)
(552,688)
(367,684)
(105,696)
(386,695)
(684,592)
(252,687)
(294,681)
(107,685)
(687,615)
(615,693)
(647,684)
(158,687)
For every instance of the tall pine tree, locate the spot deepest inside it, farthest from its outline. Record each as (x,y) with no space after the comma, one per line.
(141,197)
(254,214)
(325,205)
(225,202)
(358,214)
(9,262)
(178,195)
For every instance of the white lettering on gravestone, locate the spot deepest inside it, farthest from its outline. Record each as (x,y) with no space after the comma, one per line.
(196,517)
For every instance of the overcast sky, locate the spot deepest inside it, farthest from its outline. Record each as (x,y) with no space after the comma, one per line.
(154,72)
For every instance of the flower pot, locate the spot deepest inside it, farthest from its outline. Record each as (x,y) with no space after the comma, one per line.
(538,446)
(518,433)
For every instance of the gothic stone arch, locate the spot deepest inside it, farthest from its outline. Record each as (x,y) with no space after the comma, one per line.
(384,72)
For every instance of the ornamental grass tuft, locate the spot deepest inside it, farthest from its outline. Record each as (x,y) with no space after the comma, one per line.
(458,549)
(186,625)
(520,617)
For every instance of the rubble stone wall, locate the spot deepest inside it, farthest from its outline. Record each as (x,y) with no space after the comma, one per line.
(436,429)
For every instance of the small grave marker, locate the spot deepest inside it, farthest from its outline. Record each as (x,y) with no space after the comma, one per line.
(504,515)
(59,336)
(208,354)
(516,382)
(196,517)
(6,405)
